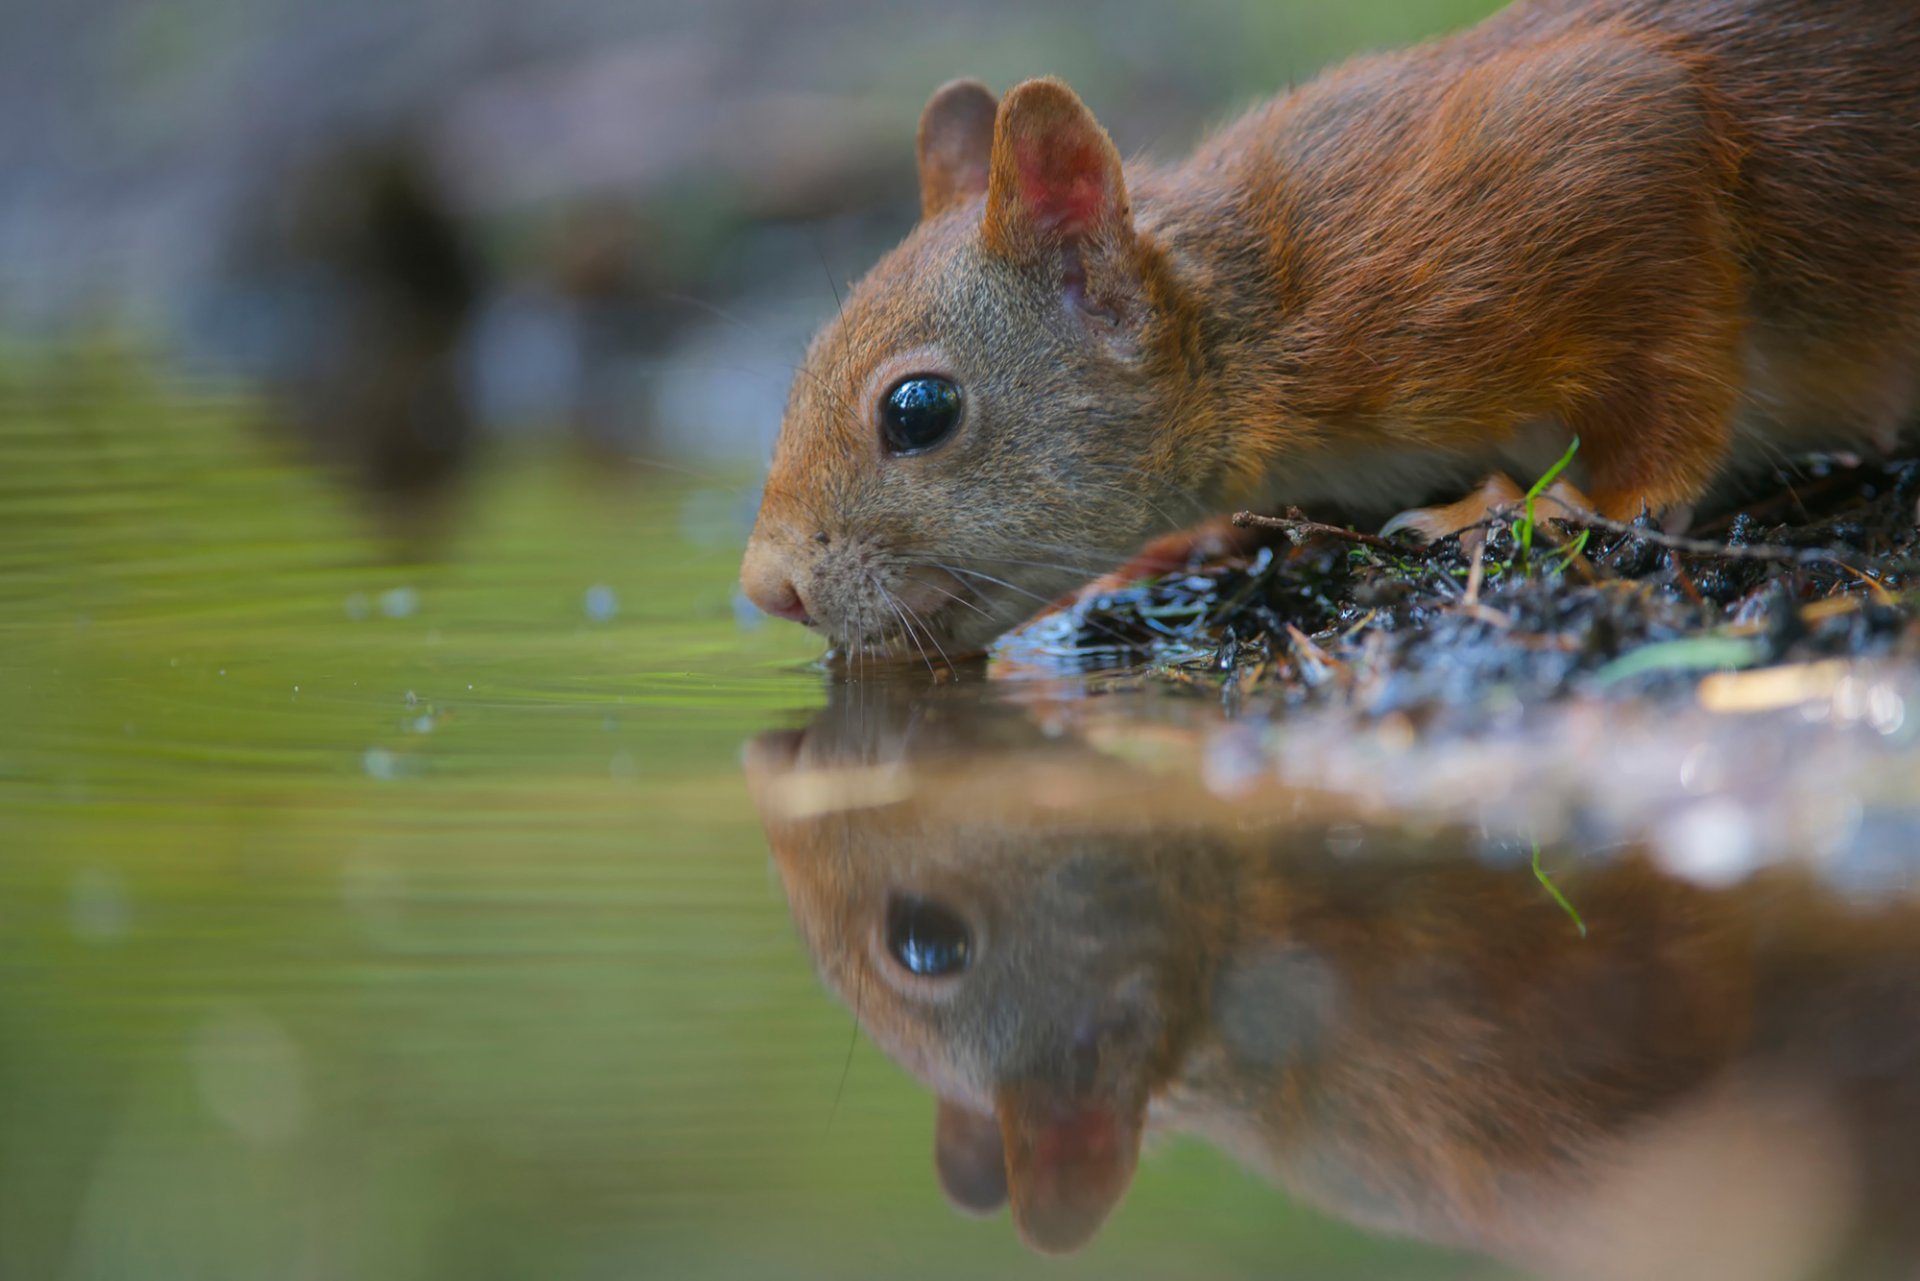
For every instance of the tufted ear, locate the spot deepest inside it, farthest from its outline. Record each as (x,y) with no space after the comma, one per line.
(1055,176)
(969,1159)
(1069,1161)
(955,145)
(1056,201)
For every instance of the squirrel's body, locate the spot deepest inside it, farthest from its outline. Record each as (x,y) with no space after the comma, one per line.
(1691,1082)
(1660,225)
(1687,233)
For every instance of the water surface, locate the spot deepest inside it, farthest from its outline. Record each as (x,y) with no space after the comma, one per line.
(387,909)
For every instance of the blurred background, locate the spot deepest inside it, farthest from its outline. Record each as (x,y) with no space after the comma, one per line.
(383,388)
(619,219)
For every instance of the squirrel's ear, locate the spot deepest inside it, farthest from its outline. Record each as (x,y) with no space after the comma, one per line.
(1069,1161)
(970,1161)
(1055,175)
(955,145)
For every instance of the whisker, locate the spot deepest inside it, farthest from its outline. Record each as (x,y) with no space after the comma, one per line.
(974,573)
(840,309)
(853,1039)
(1014,587)
(1168,521)
(1086,570)
(931,637)
(955,597)
(1160,484)
(907,628)
(718,312)
(660,464)
(841,404)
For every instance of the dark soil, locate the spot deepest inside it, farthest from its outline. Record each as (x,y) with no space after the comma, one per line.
(1821,567)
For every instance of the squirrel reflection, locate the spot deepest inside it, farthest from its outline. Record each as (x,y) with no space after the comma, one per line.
(1071,951)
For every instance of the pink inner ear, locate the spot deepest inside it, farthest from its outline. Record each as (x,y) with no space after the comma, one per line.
(1067,1166)
(1083,1140)
(1063,182)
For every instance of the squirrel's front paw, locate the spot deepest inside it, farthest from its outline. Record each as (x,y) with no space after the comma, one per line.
(1496,495)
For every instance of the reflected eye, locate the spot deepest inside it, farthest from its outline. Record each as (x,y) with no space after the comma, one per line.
(926,938)
(918,413)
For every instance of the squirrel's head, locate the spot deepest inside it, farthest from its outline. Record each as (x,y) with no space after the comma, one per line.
(981,428)
(1036,976)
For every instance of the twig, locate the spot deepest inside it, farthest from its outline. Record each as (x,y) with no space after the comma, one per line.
(1881,595)
(1309,647)
(1476,572)
(1685,582)
(1365,620)
(1705,547)
(1297,522)
(1488,614)
(1245,680)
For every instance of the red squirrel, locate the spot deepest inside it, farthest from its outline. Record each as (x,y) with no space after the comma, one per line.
(1071,950)
(1685,231)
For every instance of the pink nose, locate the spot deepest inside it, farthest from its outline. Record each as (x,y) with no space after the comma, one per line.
(778,598)
(767,577)
(764,578)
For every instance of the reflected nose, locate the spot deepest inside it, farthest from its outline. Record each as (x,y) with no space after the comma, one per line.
(768,585)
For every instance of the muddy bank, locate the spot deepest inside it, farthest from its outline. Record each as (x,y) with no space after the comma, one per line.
(1522,611)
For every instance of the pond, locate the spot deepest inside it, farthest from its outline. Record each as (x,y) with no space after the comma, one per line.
(495,902)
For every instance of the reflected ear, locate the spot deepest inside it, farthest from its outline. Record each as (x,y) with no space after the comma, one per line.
(1069,1162)
(955,145)
(1055,177)
(969,1158)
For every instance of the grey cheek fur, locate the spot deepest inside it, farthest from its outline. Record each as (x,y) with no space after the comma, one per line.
(1273,1009)
(1044,485)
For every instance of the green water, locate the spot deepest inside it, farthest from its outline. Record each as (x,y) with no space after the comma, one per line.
(403,915)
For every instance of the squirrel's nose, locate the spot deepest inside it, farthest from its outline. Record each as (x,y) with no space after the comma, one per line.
(782,601)
(770,589)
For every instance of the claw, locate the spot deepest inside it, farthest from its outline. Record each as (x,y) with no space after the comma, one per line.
(1432,524)
(1418,521)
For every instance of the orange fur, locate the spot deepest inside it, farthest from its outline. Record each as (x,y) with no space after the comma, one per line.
(1683,230)
(1383,1021)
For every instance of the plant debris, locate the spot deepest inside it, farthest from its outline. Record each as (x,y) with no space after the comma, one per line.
(1518,610)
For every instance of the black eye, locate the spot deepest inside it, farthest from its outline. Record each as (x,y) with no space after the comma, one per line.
(918,413)
(926,938)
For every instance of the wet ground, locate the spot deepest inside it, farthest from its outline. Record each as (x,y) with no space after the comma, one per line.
(1817,565)
(504,903)
(1615,996)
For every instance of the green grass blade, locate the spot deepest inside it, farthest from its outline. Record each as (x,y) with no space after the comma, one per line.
(1525,530)
(1539,874)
